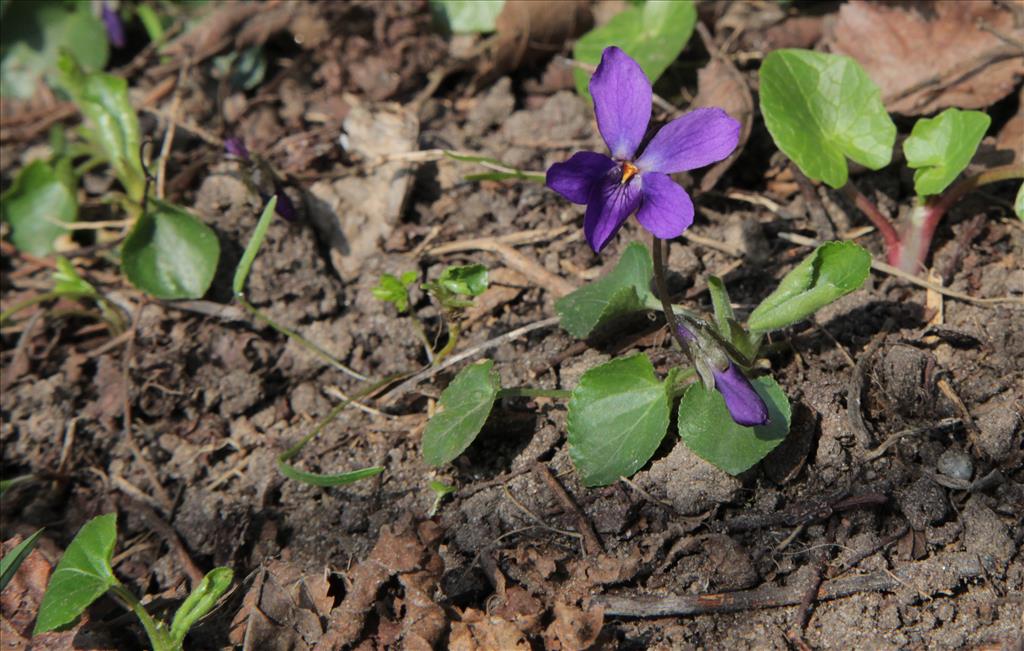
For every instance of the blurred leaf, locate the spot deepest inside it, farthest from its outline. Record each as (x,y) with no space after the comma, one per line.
(467,16)
(618,416)
(170,254)
(32,35)
(203,598)
(653,34)
(11,561)
(832,270)
(150,22)
(67,281)
(822,109)
(82,575)
(463,409)
(8,484)
(36,205)
(253,247)
(395,290)
(939,148)
(708,429)
(113,125)
(624,290)
(1018,203)
(468,280)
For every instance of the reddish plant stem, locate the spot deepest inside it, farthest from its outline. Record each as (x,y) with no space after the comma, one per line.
(881,222)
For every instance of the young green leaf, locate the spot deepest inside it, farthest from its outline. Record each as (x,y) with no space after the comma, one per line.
(114,126)
(82,575)
(707,428)
(624,290)
(253,247)
(325,481)
(822,109)
(1018,203)
(653,34)
(440,490)
(464,407)
(468,280)
(37,205)
(395,290)
(467,16)
(170,254)
(10,563)
(33,34)
(832,270)
(203,598)
(67,282)
(939,148)
(618,416)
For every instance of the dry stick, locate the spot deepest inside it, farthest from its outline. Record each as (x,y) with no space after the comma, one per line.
(392,395)
(165,149)
(591,543)
(515,260)
(947,572)
(942,426)
(903,275)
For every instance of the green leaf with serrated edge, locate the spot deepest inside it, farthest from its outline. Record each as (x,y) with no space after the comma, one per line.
(12,560)
(707,428)
(170,254)
(832,270)
(253,247)
(465,405)
(37,205)
(202,599)
(618,416)
(822,109)
(939,148)
(82,575)
(467,16)
(625,289)
(468,280)
(113,125)
(34,33)
(653,34)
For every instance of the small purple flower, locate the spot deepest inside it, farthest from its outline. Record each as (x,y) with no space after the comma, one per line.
(746,407)
(236,147)
(115,29)
(615,187)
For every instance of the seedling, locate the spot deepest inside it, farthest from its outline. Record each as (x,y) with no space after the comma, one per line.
(11,561)
(819,125)
(84,574)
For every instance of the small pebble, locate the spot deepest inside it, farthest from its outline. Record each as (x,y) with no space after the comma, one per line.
(956,464)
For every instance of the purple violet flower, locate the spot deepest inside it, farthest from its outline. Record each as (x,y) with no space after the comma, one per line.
(746,407)
(615,187)
(115,28)
(236,147)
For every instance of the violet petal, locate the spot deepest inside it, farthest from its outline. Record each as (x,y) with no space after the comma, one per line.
(746,407)
(622,102)
(574,179)
(236,147)
(610,203)
(114,26)
(666,210)
(699,138)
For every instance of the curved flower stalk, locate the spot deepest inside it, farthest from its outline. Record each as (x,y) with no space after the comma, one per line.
(631,180)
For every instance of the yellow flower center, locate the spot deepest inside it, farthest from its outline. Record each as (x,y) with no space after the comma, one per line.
(629,170)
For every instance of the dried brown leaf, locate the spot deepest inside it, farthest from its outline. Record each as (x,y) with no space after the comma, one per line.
(926,57)
(481,632)
(574,628)
(529,32)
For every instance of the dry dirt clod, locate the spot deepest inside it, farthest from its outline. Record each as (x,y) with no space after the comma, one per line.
(923,503)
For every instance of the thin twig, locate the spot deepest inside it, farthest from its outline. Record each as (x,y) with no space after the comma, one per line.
(591,543)
(944,425)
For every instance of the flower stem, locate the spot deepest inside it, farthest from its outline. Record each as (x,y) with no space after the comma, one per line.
(660,283)
(881,222)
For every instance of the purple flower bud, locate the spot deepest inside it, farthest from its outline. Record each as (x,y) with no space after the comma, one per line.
(285,207)
(236,147)
(115,29)
(746,407)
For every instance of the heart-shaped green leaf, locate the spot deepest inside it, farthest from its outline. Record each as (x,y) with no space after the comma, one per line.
(170,254)
(707,428)
(618,416)
(624,290)
(37,205)
(832,270)
(822,109)
(939,148)
(202,599)
(464,407)
(653,34)
(82,575)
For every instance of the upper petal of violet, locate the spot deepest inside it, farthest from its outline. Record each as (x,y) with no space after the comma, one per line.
(666,210)
(574,179)
(610,203)
(699,138)
(622,102)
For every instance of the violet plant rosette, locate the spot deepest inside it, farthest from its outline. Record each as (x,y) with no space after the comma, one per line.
(614,187)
